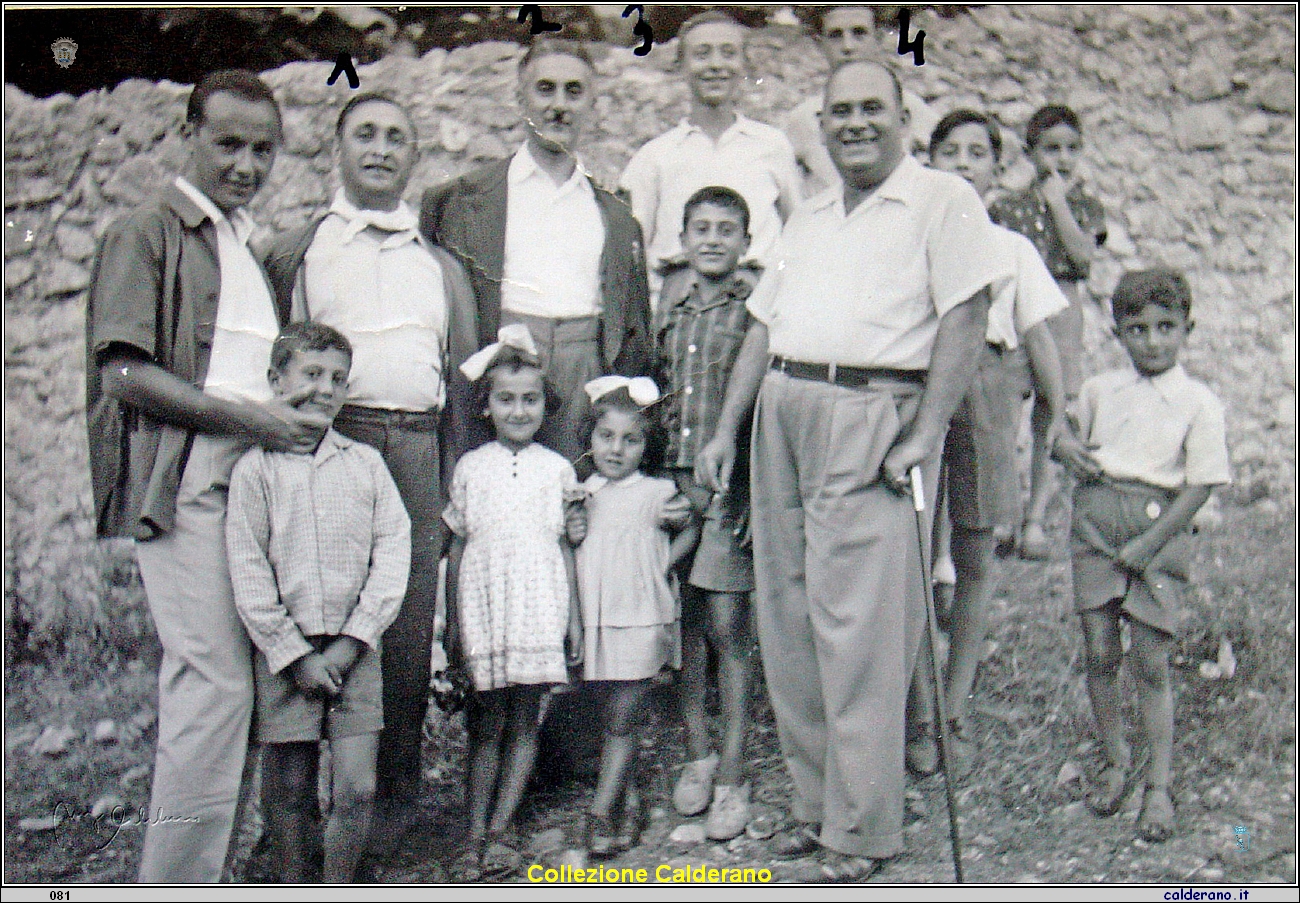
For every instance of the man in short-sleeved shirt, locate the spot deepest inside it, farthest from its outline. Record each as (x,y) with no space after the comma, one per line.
(872,318)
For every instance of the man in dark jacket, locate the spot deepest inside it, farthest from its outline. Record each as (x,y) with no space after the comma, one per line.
(544,246)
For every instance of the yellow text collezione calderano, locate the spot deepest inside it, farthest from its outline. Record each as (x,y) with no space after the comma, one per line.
(665,873)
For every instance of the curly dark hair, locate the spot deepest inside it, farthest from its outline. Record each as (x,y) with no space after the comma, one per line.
(513,360)
(656,436)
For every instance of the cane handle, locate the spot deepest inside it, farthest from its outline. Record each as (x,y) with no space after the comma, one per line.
(918,488)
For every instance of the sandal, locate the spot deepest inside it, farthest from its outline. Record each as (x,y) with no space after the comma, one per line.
(1155,823)
(797,841)
(468,867)
(599,837)
(840,868)
(500,858)
(1116,782)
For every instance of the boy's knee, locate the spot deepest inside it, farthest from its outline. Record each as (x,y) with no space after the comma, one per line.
(1103,660)
(1151,671)
(354,791)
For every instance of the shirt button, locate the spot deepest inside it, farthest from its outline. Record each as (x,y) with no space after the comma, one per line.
(690,348)
(687,431)
(690,389)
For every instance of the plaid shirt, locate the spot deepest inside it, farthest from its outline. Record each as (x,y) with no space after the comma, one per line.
(698,343)
(318,544)
(1028,214)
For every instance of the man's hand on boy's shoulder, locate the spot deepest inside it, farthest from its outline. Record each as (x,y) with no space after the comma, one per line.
(313,677)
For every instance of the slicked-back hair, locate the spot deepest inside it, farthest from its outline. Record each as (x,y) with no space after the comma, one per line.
(1162,286)
(240,82)
(708,17)
(956,119)
(1045,118)
(545,45)
(368,97)
(310,336)
(720,196)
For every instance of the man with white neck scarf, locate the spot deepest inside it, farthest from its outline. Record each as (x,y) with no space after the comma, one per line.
(407,308)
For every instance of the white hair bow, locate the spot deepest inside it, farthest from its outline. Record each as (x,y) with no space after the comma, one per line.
(642,388)
(515,336)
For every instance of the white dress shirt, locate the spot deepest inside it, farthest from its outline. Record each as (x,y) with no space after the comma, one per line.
(555,235)
(246,324)
(369,276)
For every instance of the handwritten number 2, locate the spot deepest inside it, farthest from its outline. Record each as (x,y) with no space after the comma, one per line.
(907,45)
(539,24)
(642,29)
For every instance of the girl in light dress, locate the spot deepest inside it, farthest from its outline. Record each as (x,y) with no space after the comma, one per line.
(630,613)
(513,621)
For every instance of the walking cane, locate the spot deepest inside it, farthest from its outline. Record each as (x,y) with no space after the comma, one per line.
(940,706)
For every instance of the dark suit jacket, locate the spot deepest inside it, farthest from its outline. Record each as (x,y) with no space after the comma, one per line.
(468,217)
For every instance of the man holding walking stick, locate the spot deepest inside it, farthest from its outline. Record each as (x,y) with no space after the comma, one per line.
(866,336)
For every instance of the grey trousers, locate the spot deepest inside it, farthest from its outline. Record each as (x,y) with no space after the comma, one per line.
(839,600)
(205,682)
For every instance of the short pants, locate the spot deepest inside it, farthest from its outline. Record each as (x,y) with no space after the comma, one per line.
(283,714)
(723,561)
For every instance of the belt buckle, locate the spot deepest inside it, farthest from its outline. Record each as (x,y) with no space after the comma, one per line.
(830,373)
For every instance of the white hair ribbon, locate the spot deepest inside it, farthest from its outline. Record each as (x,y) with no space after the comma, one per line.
(515,336)
(642,388)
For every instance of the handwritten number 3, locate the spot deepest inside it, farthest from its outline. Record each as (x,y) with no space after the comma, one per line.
(642,29)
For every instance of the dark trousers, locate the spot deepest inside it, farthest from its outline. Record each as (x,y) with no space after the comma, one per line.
(409,445)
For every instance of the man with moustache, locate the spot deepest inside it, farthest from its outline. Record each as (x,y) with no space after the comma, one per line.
(180,324)
(544,246)
(407,309)
(867,332)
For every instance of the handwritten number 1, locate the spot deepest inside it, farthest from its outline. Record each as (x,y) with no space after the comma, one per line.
(342,64)
(642,29)
(539,24)
(907,45)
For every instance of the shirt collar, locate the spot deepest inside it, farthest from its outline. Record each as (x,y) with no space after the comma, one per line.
(524,167)
(900,185)
(1171,384)
(240,222)
(737,288)
(743,125)
(330,445)
(401,223)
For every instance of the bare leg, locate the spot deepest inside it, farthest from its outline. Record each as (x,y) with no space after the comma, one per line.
(693,686)
(288,803)
(1042,483)
(486,722)
(1105,655)
(733,640)
(968,619)
(626,703)
(353,805)
(1155,698)
(519,751)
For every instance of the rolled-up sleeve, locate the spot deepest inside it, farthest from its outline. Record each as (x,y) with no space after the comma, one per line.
(390,561)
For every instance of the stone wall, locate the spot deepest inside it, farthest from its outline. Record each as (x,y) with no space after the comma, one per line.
(1189,116)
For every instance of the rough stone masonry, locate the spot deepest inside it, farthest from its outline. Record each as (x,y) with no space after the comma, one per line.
(1189,120)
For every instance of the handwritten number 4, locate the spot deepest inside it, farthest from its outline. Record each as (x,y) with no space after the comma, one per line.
(642,29)
(906,45)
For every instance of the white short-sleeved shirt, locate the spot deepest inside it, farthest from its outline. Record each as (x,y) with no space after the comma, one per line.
(1027,300)
(1166,430)
(751,158)
(867,288)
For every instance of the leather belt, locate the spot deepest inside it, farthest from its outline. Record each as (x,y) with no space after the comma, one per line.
(849,377)
(416,421)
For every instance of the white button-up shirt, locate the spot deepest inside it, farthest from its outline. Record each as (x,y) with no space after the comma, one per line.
(867,288)
(368,275)
(555,235)
(1028,299)
(246,324)
(751,158)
